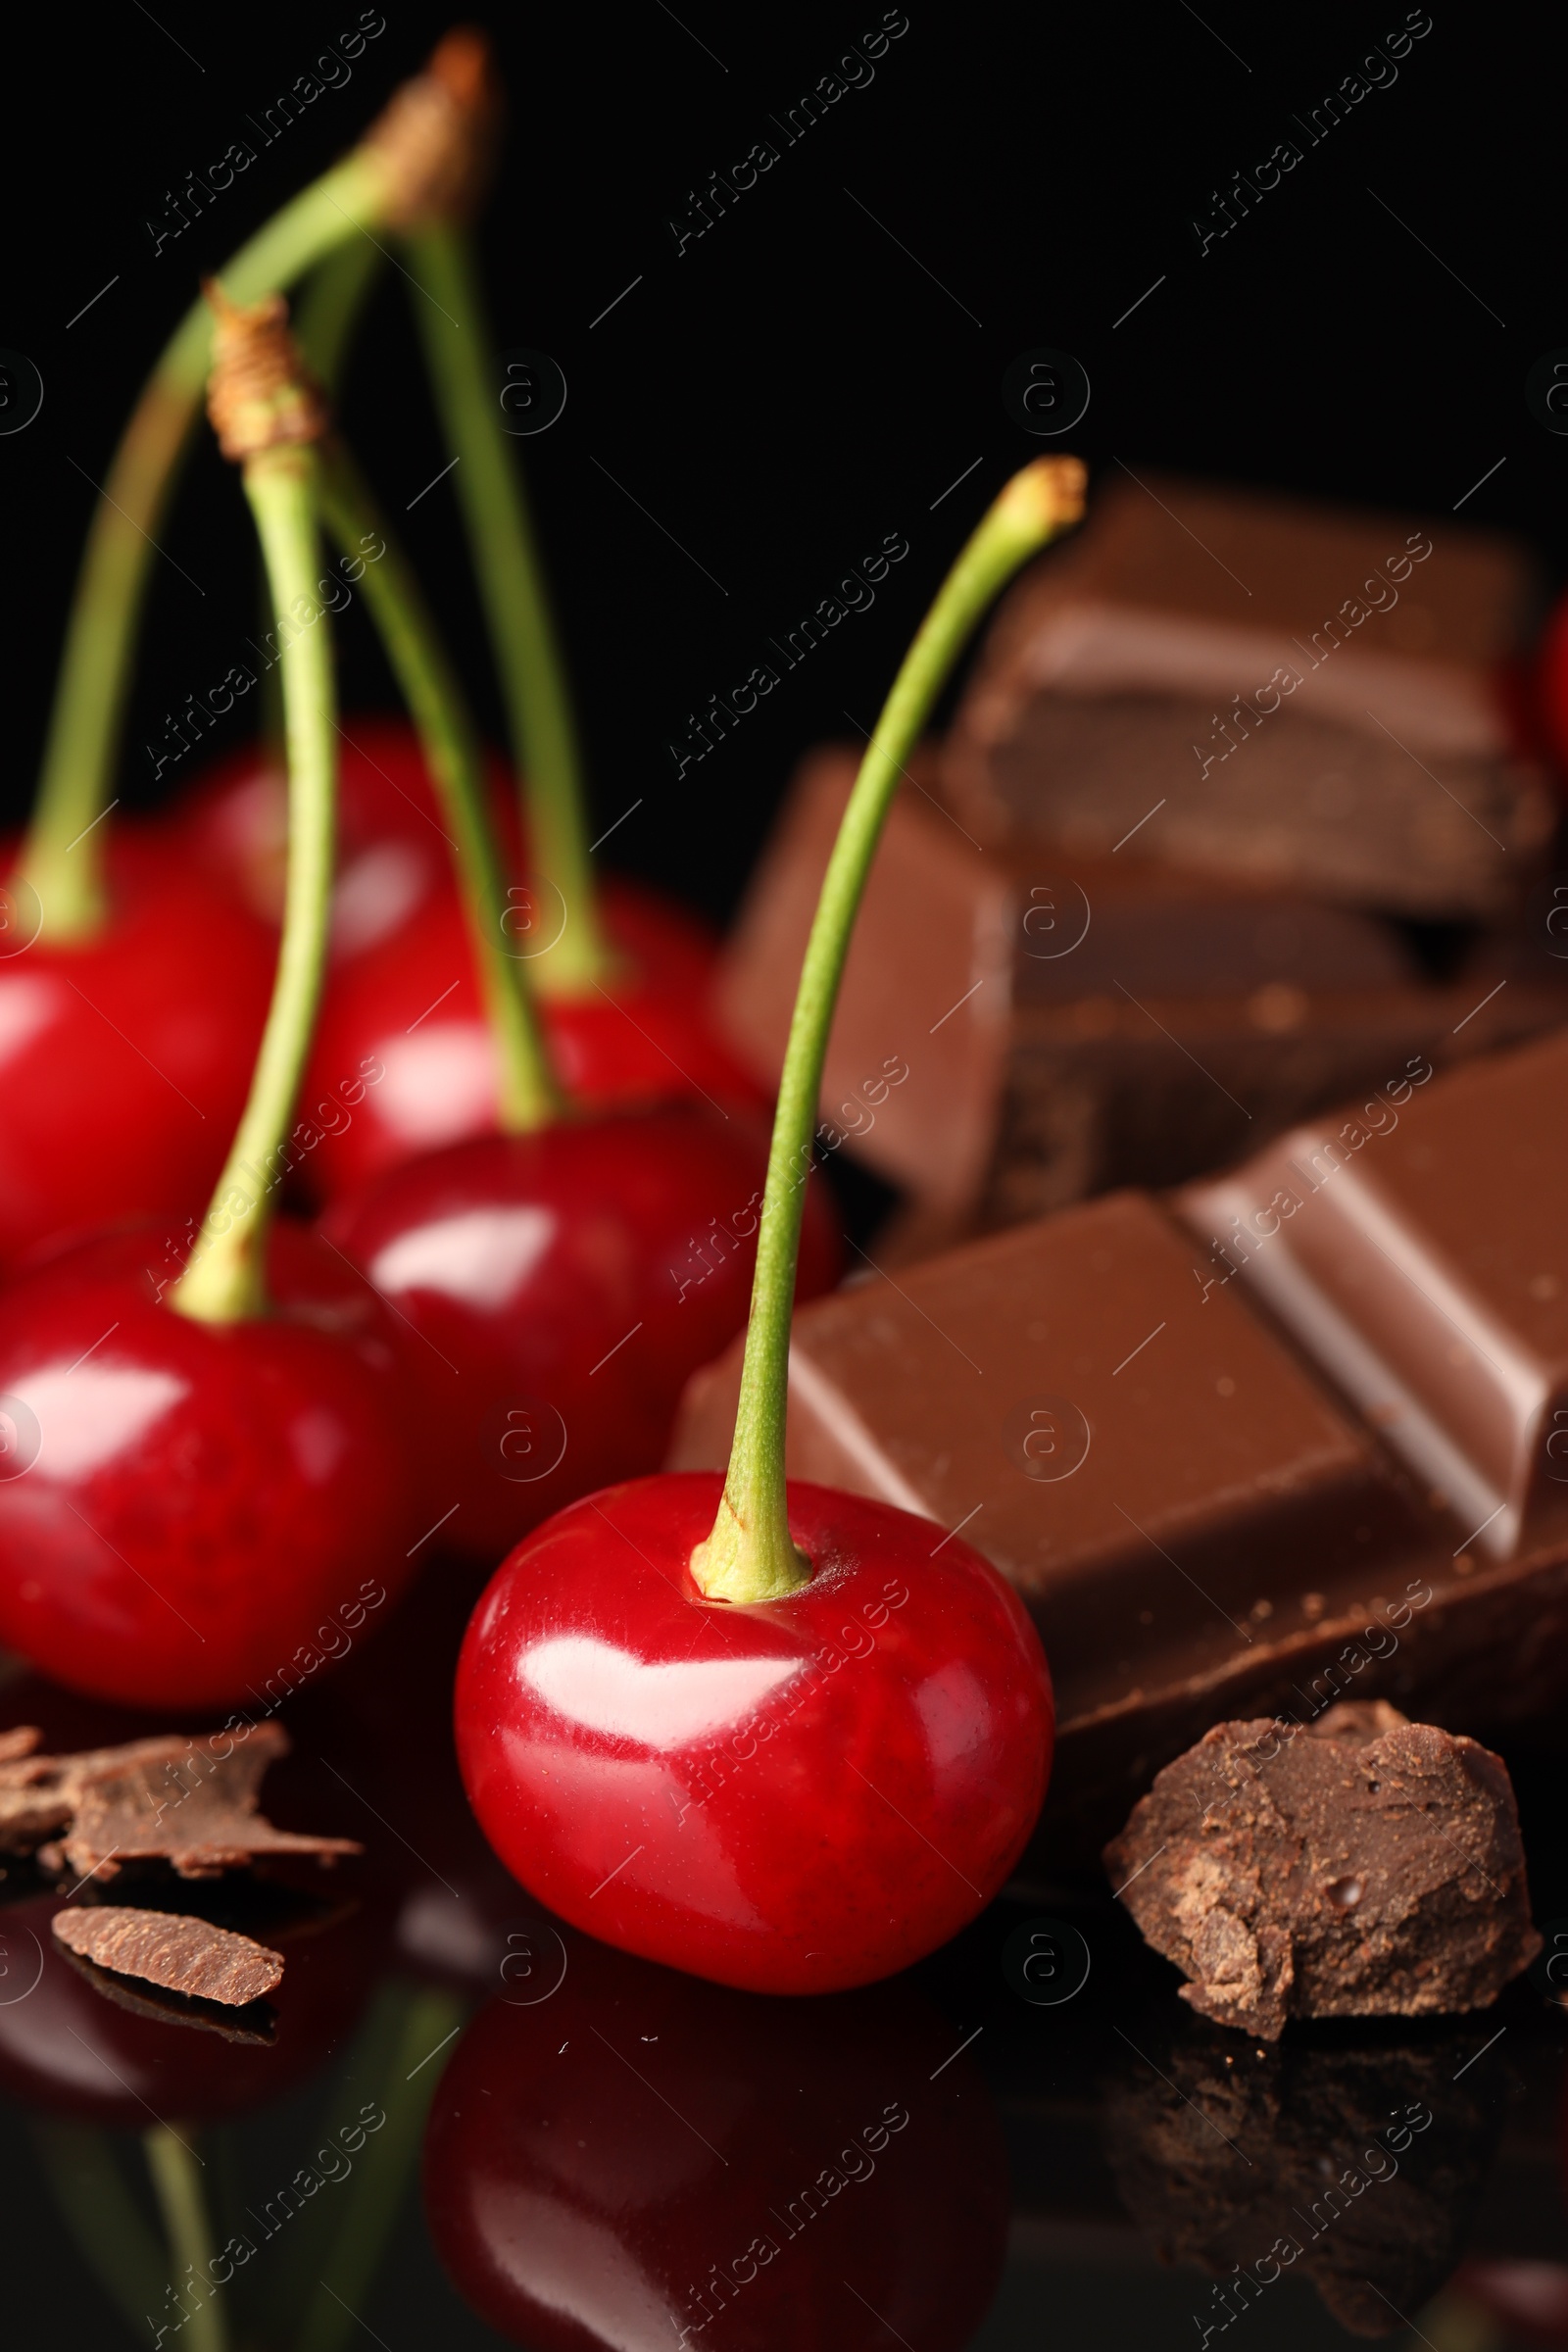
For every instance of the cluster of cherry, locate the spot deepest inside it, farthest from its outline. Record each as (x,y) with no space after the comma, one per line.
(341,1247)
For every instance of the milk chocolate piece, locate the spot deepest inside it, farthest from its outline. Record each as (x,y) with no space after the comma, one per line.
(1263,689)
(1202,1527)
(165,1947)
(1322,1877)
(1418,1249)
(192,1802)
(1018,1029)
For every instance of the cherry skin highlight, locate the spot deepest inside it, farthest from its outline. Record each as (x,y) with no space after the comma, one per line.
(791,1796)
(696,2166)
(563,1287)
(401,990)
(125,1058)
(184,1503)
(411,1005)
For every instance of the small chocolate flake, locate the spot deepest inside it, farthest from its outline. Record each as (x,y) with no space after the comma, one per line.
(166,1948)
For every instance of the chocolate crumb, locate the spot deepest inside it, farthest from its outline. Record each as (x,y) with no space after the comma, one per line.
(165,1947)
(1372,1867)
(192,1802)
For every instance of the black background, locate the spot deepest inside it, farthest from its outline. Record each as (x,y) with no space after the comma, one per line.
(802,380)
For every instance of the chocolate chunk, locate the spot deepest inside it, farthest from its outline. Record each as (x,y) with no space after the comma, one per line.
(1326,1876)
(1020,1028)
(1261,689)
(163,1948)
(1356,2168)
(1417,1247)
(190,1802)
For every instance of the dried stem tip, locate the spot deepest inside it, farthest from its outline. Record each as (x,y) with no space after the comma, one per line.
(436,138)
(259,394)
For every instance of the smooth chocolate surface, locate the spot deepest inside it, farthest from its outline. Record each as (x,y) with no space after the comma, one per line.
(1263,689)
(1324,1873)
(1418,1249)
(1019,1029)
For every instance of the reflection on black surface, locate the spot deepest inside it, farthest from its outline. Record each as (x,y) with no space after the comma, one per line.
(1357,2164)
(644,2160)
(618,2190)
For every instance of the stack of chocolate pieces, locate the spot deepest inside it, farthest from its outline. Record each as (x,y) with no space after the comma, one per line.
(1296,1435)
(1171,883)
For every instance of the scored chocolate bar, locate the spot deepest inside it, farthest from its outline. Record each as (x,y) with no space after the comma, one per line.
(1241,684)
(1017,1030)
(1240,1458)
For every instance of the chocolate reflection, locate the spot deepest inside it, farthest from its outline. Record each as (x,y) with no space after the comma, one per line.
(1354,2162)
(644,2161)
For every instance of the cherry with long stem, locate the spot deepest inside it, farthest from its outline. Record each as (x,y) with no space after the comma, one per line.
(778,1736)
(382,181)
(210,1472)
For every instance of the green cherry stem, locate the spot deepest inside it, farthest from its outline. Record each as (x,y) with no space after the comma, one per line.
(176,2184)
(529,1096)
(62,859)
(523,634)
(224,1280)
(750,1556)
(329,306)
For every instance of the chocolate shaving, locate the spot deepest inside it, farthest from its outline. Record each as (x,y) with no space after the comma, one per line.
(192,1802)
(165,1947)
(254,2026)
(1371,1867)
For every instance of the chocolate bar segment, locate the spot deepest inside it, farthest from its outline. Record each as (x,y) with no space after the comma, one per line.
(1262,689)
(1018,1029)
(1151,1469)
(1416,1245)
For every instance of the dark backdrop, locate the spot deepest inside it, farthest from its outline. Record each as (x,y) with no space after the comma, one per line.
(815,372)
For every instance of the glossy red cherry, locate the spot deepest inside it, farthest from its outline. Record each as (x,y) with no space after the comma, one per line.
(401,991)
(643,2162)
(126,1052)
(183,1502)
(392,846)
(565,1285)
(792,1797)
(411,1008)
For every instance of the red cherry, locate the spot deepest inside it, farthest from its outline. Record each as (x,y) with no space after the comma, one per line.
(565,1285)
(125,1059)
(791,1796)
(411,1008)
(185,1503)
(392,844)
(642,2162)
(401,992)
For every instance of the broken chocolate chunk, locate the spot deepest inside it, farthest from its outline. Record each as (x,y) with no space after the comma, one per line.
(1244,685)
(165,1947)
(1021,1026)
(189,1801)
(1330,1876)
